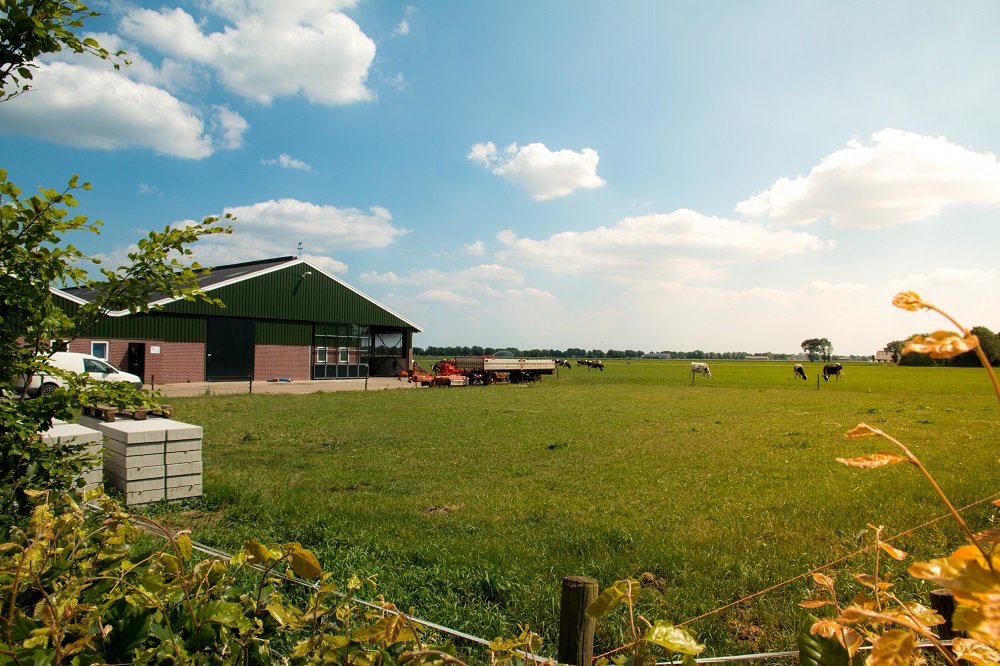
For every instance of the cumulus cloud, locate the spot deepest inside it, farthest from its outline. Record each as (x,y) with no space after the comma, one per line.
(286,161)
(262,229)
(445,296)
(945,277)
(900,177)
(313,49)
(476,278)
(658,247)
(543,173)
(476,249)
(88,108)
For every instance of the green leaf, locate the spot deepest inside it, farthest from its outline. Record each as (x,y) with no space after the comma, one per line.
(257,553)
(893,648)
(184,545)
(611,597)
(675,639)
(304,563)
(815,650)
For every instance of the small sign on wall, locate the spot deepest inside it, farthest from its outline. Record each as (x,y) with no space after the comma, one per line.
(154,350)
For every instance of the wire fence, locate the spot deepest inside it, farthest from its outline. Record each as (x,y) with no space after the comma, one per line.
(157,530)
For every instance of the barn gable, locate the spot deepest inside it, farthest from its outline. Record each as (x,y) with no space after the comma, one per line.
(283,316)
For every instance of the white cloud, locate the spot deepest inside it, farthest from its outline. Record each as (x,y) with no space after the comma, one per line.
(901,177)
(311,48)
(543,173)
(262,229)
(372,277)
(149,189)
(402,28)
(88,108)
(328,264)
(445,296)
(476,249)
(286,161)
(945,277)
(230,126)
(658,247)
(478,278)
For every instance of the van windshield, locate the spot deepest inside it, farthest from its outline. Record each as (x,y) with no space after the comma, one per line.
(91,365)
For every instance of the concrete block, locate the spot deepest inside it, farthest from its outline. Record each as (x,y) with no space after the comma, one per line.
(133,497)
(129,432)
(62,433)
(183,480)
(181,492)
(184,469)
(124,449)
(180,431)
(130,474)
(184,457)
(180,445)
(149,460)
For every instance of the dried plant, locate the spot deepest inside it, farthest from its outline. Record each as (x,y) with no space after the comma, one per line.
(971,573)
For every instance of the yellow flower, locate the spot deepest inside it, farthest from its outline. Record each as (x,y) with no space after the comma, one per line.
(941,344)
(908,300)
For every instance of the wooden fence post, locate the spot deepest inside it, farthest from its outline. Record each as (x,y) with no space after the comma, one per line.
(944,603)
(576,628)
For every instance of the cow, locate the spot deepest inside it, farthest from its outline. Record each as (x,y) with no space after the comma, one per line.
(835,369)
(700,368)
(799,371)
(563,362)
(596,364)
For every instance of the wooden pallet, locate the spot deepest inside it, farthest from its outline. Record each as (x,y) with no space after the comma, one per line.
(110,413)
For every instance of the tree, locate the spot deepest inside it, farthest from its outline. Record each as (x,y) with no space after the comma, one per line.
(895,348)
(820,347)
(34,27)
(35,253)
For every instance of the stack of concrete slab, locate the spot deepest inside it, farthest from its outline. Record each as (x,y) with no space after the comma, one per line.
(152,459)
(62,433)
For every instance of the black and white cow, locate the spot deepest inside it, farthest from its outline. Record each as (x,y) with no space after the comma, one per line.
(563,362)
(596,364)
(701,368)
(833,369)
(799,371)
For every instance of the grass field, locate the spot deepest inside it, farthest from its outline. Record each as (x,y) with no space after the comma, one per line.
(471,504)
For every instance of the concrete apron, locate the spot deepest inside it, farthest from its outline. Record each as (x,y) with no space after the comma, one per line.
(190,389)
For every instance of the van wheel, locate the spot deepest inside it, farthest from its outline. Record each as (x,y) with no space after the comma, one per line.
(47,389)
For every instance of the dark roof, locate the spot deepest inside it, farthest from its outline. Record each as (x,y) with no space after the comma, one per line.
(207,277)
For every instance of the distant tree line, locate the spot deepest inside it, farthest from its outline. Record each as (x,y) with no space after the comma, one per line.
(989,342)
(578,352)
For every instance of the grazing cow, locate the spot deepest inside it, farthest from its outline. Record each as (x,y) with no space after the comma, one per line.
(581,361)
(595,365)
(563,362)
(799,371)
(835,369)
(700,368)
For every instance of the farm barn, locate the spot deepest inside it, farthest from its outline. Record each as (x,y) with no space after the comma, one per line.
(283,318)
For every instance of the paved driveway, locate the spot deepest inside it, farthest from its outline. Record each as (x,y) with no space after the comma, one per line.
(298,386)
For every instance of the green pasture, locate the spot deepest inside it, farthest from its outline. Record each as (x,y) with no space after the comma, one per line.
(471,504)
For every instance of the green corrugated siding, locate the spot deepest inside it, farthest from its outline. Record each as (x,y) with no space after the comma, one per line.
(287,295)
(151,326)
(284,333)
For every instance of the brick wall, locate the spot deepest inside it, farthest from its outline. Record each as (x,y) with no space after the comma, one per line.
(176,363)
(273,361)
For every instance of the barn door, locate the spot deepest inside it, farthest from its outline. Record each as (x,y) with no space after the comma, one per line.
(229,349)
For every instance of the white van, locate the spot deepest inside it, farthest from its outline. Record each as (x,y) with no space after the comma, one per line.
(80,364)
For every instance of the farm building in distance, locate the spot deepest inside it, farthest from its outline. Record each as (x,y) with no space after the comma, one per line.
(283,318)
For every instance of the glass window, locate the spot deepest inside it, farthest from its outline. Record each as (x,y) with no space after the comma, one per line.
(90,365)
(344,356)
(321,354)
(99,349)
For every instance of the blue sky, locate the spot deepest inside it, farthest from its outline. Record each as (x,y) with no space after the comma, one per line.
(725,176)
